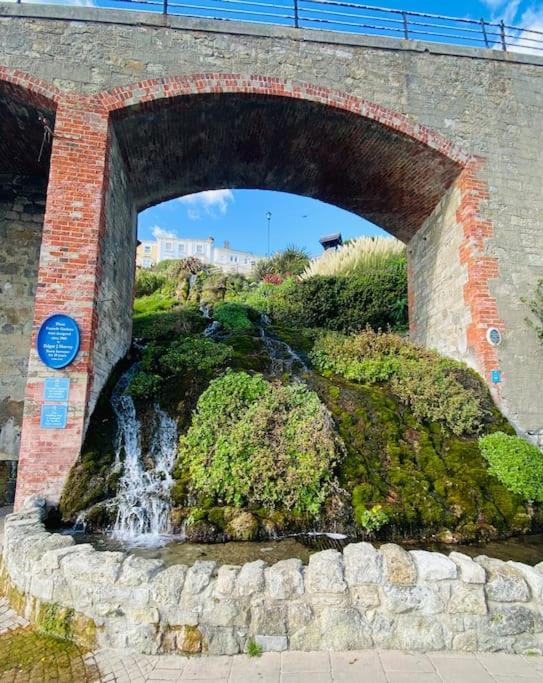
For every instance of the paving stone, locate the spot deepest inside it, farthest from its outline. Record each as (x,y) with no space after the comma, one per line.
(310,662)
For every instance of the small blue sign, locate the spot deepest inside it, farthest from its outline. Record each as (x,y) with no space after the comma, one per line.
(58,341)
(496,376)
(56,389)
(54,416)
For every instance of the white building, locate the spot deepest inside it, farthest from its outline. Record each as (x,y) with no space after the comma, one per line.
(227,259)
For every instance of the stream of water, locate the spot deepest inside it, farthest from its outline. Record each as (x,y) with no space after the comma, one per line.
(143,497)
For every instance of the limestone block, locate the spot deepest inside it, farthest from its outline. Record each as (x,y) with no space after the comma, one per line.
(426,599)
(365,597)
(399,566)
(225,612)
(226,579)
(344,629)
(383,631)
(250,579)
(272,643)
(509,620)
(418,632)
(324,573)
(467,598)
(139,571)
(166,586)
(470,571)
(363,564)
(284,580)
(92,567)
(268,619)
(221,641)
(433,566)
(533,578)
(299,615)
(52,558)
(504,582)
(199,576)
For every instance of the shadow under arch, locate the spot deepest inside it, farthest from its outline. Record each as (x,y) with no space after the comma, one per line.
(181,135)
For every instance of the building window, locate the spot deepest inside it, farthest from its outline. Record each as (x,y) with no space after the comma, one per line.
(168,246)
(233,259)
(180,249)
(147,248)
(199,248)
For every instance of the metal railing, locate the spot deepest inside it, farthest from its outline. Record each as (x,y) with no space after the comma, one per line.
(349,17)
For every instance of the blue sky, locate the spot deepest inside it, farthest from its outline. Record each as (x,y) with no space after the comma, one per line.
(240,215)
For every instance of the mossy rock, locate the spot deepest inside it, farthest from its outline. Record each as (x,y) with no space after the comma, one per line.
(242,527)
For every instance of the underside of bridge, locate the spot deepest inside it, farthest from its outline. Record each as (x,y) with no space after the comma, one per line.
(105,166)
(211,141)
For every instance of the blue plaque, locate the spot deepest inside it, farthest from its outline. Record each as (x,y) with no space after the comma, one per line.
(496,376)
(54,416)
(58,341)
(56,389)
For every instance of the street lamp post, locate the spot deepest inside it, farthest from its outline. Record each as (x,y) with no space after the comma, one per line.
(268,218)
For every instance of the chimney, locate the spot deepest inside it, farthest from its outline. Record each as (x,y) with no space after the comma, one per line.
(226,244)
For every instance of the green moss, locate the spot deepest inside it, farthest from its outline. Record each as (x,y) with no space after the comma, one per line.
(55,621)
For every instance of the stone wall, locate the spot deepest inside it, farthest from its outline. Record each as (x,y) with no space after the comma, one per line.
(360,598)
(22,206)
(117,265)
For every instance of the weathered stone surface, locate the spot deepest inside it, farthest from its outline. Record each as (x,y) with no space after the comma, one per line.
(93,567)
(533,578)
(470,571)
(433,566)
(324,573)
(268,619)
(416,632)
(504,582)
(166,586)
(426,599)
(365,597)
(284,580)
(467,598)
(272,643)
(344,629)
(138,571)
(399,566)
(199,576)
(221,641)
(224,612)
(510,620)
(363,564)
(250,579)
(226,579)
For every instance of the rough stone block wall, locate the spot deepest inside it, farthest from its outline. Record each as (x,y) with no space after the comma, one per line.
(361,598)
(117,264)
(22,206)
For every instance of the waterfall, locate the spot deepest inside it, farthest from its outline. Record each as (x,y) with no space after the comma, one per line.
(282,356)
(143,497)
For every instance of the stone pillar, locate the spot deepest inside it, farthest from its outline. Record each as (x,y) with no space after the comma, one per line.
(68,281)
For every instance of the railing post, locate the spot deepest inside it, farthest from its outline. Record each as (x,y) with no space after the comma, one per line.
(164,6)
(296,16)
(502,35)
(483,26)
(405,26)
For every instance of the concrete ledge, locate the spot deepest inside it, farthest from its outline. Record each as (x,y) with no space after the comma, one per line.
(361,598)
(181,23)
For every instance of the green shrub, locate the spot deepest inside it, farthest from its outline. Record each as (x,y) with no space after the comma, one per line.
(291,261)
(147,282)
(169,324)
(262,444)
(194,353)
(516,463)
(432,386)
(373,519)
(233,316)
(144,385)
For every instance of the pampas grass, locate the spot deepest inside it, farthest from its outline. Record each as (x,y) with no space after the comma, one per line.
(359,255)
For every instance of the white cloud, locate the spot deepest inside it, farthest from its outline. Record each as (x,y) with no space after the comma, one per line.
(160,233)
(494,5)
(531,19)
(210,201)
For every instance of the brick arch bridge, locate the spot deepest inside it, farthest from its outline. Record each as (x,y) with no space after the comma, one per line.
(441,146)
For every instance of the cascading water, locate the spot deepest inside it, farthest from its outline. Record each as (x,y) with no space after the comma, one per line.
(282,357)
(143,497)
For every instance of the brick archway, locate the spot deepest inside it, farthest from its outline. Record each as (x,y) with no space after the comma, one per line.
(97,183)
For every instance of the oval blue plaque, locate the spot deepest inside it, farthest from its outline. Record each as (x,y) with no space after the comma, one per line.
(58,341)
